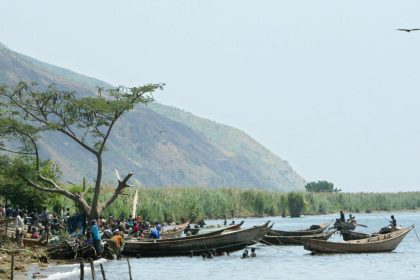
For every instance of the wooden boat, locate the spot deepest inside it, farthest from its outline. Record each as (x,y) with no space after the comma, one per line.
(171,233)
(339,225)
(215,231)
(209,228)
(388,229)
(380,243)
(294,240)
(203,231)
(316,229)
(354,235)
(196,245)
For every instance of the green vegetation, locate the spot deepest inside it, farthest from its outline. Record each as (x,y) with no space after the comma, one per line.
(321,186)
(14,187)
(174,203)
(296,203)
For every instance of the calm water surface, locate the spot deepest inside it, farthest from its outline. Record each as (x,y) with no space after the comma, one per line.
(274,262)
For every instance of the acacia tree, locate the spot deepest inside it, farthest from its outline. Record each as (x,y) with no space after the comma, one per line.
(321,186)
(26,111)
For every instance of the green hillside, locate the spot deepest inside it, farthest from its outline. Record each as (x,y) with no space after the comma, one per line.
(162,145)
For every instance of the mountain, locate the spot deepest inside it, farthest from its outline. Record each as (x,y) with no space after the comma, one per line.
(162,145)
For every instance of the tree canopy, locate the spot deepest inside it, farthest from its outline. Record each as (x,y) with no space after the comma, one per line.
(321,186)
(27,110)
(14,188)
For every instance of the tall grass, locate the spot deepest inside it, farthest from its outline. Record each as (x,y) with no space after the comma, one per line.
(173,203)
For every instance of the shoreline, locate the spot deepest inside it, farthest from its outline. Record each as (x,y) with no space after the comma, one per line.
(29,262)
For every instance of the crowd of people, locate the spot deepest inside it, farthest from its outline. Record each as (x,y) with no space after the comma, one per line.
(43,226)
(114,230)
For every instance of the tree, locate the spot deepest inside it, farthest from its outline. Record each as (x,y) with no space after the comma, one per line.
(14,188)
(321,186)
(26,111)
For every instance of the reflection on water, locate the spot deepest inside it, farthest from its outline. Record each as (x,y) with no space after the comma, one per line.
(276,262)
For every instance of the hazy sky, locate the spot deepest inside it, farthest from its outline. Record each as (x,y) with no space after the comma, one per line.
(330,86)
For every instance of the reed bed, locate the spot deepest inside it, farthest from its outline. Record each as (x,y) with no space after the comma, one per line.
(176,203)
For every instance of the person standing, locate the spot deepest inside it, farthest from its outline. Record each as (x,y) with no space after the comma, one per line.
(342,217)
(96,237)
(119,242)
(45,216)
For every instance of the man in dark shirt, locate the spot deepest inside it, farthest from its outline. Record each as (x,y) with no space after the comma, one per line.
(342,218)
(393,221)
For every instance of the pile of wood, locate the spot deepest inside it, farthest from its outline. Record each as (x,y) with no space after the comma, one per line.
(71,249)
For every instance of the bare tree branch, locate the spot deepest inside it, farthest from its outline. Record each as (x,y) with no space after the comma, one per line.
(121,186)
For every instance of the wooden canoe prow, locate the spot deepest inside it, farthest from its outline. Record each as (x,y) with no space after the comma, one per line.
(177,232)
(380,243)
(206,231)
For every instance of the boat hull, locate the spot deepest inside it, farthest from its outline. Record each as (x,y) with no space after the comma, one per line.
(305,232)
(380,243)
(225,242)
(209,229)
(294,240)
(353,235)
(171,233)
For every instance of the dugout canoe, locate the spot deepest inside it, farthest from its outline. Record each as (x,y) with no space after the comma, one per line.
(210,228)
(176,232)
(380,243)
(207,230)
(294,240)
(316,229)
(196,245)
(354,235)
(215,231)
(339,225)
(171,233)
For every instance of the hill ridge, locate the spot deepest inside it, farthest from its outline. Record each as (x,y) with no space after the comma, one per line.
(168,147)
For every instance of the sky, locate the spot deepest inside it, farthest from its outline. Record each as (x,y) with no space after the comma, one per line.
(330,86)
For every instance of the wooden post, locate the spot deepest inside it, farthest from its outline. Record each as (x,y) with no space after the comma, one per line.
(92,269)
(103,272)
(129,269)
(82,270)
(7,226)
(11,267)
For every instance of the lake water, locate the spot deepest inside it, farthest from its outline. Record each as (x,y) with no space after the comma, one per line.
(274,262)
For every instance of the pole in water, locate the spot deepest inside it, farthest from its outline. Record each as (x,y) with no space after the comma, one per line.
(92,269)
(11,267)
(103,272)
(129,269)
(82,270)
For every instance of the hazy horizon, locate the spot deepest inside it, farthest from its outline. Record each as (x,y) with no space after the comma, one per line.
(331,87)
